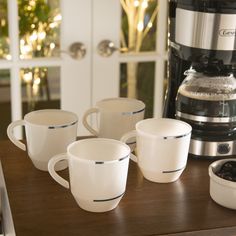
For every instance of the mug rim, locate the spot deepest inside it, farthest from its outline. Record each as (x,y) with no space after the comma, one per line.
(137,101)
(97,140)
(51,126)
(181,135)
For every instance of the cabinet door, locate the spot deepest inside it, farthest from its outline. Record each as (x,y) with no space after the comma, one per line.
(136,64)
(37,69)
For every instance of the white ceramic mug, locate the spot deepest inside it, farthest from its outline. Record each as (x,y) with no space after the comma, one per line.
(97,171)
(162,148)
(117,116)
(48,132)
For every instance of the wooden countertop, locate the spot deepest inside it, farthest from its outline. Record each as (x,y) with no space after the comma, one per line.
(40,206)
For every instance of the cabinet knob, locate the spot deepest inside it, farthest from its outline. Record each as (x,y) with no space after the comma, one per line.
(77,51)
(106,48)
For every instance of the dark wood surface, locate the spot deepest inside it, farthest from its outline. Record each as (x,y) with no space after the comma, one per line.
(40,206)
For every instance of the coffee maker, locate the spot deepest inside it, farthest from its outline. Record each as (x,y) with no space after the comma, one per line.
(177,64)
(202,39)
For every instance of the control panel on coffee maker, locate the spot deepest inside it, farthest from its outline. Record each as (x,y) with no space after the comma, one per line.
(202,68)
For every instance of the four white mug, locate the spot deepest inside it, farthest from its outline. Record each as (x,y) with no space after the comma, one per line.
(98,171)
(162,149)
(48,132)
(117,116)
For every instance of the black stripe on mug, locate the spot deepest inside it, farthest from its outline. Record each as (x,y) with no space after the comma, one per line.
(123,158)
(62,126)
(102,162)
(175,137)
(131,143)
(172,171)
(108,199)
(132,112)
(99,162)
(135,112)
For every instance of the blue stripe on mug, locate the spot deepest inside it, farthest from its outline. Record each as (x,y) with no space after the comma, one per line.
(109,199)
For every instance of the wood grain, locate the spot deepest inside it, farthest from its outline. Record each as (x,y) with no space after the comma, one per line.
(42,207)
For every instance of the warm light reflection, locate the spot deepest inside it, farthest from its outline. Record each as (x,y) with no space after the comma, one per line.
(8,57)
(144,4)
(140,26)
(136,3)
(27,77)
(58,17)
(150,24)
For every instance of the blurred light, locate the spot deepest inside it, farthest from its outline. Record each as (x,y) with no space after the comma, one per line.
(32,3)
(3,22)
(136,3)
(27,77)
(144,4)
(32,26)
(22,41)
(140,26)
(8,57)
(33,36)
(57,17)
(150,24)
(25,49)
(53,25)
(42,35)
(35,89)
(37,81)
(52,45)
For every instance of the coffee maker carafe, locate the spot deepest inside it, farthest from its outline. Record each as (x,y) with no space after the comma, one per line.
(207,101)
(202,38)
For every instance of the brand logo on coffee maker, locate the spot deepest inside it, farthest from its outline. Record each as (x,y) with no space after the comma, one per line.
(227,32)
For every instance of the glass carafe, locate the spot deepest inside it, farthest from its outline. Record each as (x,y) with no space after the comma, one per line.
(208,103)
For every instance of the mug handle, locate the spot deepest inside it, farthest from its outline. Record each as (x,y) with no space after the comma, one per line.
(11,135)
(85,122)
(125,138)
(51,169)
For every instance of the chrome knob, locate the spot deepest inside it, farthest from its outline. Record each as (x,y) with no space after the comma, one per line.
(106,48)
(76,50)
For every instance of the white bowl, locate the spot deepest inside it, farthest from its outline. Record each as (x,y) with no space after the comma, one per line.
(222,191)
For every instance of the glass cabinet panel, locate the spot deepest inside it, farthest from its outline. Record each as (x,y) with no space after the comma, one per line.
(138,25)
(138,35)
(40,88)
(39,28)
(5,102)
(4,37)
(143,86)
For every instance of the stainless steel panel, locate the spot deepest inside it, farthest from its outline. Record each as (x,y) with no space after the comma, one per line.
(211,31)
(204,148)
(205,118)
